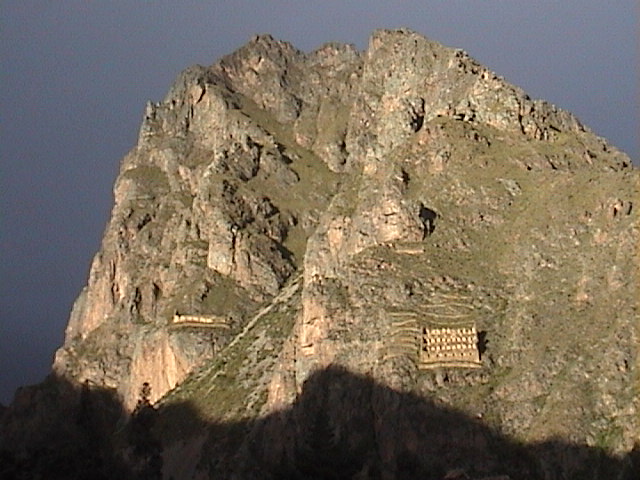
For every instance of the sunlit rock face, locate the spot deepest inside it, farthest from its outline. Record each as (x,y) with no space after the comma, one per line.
(330,207)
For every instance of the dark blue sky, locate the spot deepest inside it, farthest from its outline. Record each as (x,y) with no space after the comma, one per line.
(76,75)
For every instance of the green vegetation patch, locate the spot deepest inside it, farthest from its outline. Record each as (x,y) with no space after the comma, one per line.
(232,387)
(149,179)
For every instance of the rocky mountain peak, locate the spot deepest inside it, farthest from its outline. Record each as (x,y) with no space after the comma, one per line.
(390,237)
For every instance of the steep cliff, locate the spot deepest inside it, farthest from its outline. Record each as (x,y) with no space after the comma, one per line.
(213,208)
(287,214)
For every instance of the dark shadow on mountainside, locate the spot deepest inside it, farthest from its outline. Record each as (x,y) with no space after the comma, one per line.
(341,426)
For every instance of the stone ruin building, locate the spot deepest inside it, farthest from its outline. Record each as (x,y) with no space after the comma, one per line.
(211,321)
(451,346)
(433,345)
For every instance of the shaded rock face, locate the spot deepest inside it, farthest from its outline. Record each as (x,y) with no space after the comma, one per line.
(324,203)
(341,425)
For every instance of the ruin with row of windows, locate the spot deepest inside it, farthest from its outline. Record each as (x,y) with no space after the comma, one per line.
(198,321)
(449,346)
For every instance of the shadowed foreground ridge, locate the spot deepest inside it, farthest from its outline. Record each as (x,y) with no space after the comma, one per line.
(346,426)
(341,426)
(342,264)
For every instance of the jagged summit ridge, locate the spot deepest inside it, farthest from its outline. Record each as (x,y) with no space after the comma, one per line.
(332,208)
